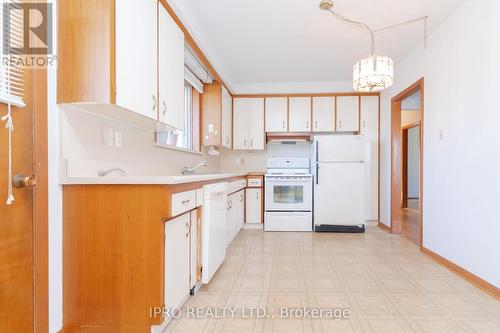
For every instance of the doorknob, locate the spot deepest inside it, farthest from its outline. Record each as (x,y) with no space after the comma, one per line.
(22,181)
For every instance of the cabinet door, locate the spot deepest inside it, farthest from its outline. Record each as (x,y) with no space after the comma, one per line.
(227,119)
(171,71)
(240,123)
(323,114)
(256,134)
(369,130)
(300,114)
(348,114)
(240,210)
(193,249)
(254,206)
(136,56)
(277,114)
(177,247)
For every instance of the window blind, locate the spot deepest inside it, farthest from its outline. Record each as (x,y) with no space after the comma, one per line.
(11,74)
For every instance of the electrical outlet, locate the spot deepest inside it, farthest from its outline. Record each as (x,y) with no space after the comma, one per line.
(108,135)
(118,139)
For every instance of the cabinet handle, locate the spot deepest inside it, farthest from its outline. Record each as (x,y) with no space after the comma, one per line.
(164,108)
(340,123)
(244,142)
(257,195)
(188,226)
(284,125)
(364,123)
(251,142)
(154,102)
(307,124)
(316,124)
(186,201)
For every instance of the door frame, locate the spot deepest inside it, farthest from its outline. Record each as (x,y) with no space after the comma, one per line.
(397,158)
(405,129)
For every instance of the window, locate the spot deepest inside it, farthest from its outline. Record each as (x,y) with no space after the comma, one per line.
(185,137)
(11,75)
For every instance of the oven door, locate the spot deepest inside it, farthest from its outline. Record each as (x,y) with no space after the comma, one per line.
(288,193)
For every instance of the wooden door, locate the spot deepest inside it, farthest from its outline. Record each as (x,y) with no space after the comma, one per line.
(256,131)
(240,124)
(276,114)
(324,114)
(253,206)
(177,271)
(136,56)
(300,114)
(227,119)
(23,224)
(171,71)
(369,130)
(348,113)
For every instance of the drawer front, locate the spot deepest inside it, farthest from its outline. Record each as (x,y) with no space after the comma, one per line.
(255,182)
(183,202)
(199,197)
(237,185)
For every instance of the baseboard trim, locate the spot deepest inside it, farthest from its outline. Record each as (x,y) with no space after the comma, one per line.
(465,274)
(384,227)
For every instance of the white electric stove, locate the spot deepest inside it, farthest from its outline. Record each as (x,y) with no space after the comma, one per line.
(288,195)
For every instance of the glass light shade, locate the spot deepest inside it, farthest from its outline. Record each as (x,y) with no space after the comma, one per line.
(372,74)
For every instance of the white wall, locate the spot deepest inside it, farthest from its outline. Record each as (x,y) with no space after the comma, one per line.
(461,183)
(242,161)
(414,162)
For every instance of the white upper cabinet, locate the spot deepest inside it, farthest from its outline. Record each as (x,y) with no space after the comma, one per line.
(323,114)
(171,71)
(277,114)
(248,130)
(348,114)
(300,114)
(136,56)
(227,118)
(256,134)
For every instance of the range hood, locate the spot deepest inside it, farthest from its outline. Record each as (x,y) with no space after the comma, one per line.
(286,137)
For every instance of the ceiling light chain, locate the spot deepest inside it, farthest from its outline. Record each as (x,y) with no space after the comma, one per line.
(376,72)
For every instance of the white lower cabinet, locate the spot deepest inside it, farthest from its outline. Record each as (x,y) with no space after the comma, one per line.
(177,270)
(254,206)
(193,250)
(235,215)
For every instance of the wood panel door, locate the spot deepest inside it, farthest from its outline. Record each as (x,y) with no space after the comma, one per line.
(323,114)
(348,113)
(276,114)
(300,114)
(23,224)
(136,56)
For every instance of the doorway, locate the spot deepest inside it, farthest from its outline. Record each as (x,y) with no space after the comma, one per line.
(407,111)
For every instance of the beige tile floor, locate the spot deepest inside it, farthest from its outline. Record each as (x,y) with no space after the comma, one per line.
(385,282)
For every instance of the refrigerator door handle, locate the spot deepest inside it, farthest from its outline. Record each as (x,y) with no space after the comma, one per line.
(317,162)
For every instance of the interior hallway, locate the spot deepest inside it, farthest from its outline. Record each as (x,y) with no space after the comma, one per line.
(383,279)
(409,221)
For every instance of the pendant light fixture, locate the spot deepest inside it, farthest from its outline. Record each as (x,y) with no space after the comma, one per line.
(373,73)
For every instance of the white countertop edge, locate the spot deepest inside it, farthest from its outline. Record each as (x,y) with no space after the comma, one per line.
(147,180)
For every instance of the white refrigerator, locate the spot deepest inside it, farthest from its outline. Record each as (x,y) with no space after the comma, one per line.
(339,182)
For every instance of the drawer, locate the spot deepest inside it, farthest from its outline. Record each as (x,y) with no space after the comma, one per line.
(254,182)
(236,185)
(183,202)
(199,197)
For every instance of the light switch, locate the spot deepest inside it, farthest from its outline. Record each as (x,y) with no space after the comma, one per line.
(441,135)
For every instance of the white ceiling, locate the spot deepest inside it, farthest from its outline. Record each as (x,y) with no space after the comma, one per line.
(264,41)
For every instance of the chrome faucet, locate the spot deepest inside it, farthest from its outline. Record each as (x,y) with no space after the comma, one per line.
(107,172)
(190,170)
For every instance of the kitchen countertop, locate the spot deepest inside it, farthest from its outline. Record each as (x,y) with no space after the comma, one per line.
(148,180)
